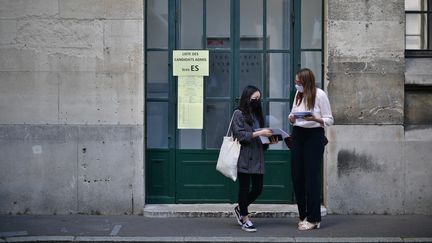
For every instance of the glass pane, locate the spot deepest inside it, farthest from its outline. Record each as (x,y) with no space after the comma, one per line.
(251,23)
(157,125)
(414,23)
(311,21)
(217,116)
(415,5)
(218,42)
(278,24)
(251,42)
(191,19)
(312,60)
(412,42)
(251,70)
(190,138)
(279,75)
(416,31)
(157,74)
(278,118)
(218,18)
(218,84)
(157,24)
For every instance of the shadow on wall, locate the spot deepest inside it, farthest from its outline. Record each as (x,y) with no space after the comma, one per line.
(349,161)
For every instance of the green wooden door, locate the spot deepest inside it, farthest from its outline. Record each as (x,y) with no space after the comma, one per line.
(250,42)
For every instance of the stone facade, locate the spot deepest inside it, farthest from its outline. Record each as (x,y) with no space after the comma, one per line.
(71,105)
(377,161)
(72,108)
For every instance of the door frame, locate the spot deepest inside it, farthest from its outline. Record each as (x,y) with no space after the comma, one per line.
(167,158)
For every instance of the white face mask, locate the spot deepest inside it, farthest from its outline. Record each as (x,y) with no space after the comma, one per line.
(299,88)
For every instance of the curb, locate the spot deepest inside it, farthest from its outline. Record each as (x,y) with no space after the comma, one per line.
(221,210)
(96,239)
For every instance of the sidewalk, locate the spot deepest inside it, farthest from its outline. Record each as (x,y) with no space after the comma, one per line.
(126,228)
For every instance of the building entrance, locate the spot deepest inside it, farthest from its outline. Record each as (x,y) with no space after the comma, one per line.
(249,42)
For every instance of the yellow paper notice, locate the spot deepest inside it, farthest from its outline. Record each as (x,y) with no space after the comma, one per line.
(190,102)
(190,63)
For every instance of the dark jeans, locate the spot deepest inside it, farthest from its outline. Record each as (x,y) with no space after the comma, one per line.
(247,197)
(306,160)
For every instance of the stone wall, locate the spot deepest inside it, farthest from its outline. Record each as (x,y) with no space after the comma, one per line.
(375,161)
(71,106)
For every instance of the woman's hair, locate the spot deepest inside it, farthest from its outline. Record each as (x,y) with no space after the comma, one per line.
(307,79)
(247,110)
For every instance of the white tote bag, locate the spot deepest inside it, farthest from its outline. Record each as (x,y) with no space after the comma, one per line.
(228,155)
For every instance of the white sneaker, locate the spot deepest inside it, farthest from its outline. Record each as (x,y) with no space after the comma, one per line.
(248,227)
(302,222)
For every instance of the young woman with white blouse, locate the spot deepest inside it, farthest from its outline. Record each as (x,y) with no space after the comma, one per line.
(309,115)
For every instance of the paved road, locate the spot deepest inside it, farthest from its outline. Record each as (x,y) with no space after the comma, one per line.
(348,227)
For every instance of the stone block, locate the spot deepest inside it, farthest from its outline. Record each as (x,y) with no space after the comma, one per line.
(418,167)
(123,32)
(56,34)
(8,32)
(101,9)
(110,170)
(365,41)
(15,9)
(348,65)
(418,107)
(121,59)
(38,169)
(125,9)
(364,10)
(29,98)
(418,71)
(123,50)
(70,61)
(365,170)
(366,98)
(16,59)
(104,98)
(82,9)
(61,169)
(50,60)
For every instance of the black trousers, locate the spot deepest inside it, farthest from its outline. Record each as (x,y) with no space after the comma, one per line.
(246,197)
(306,160)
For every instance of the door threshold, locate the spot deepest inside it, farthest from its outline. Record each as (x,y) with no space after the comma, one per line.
(222,210)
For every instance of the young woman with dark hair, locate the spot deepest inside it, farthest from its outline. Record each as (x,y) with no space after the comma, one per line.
(247,118)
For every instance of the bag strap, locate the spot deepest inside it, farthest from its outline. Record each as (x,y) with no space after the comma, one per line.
(229,127)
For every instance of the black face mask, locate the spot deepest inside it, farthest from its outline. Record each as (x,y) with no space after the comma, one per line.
(255,104)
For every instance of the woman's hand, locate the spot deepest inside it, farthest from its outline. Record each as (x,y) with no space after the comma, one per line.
(273,140)
(313,118)
(265,132)
(291,119)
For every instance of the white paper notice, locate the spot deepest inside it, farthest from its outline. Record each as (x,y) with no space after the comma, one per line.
(190,102)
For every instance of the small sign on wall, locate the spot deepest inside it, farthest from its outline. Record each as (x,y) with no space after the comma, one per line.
(190,63)
(190,102)
(190,66)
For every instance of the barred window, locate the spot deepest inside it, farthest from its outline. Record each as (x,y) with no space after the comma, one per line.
(418,25)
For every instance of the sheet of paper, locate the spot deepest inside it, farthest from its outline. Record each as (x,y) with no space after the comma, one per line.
(190,102)
(278,133)
(190,63)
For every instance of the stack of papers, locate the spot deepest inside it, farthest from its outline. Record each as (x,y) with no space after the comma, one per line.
(302,114)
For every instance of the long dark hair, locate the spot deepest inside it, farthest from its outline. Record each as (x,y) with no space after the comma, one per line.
(307,79)
(247,110)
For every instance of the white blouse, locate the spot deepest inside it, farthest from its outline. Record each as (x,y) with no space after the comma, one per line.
(321,110)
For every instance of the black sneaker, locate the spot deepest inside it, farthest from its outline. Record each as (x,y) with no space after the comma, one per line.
(238,216)
(248,227)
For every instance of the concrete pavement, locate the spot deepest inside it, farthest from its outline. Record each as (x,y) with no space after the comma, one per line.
(208,228)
